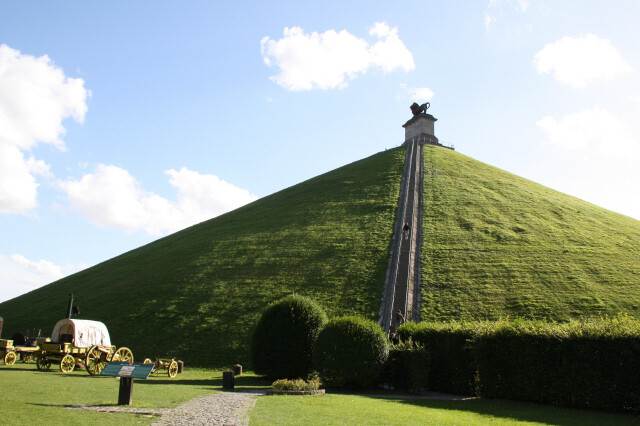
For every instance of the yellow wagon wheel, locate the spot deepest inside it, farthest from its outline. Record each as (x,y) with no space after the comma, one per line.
(95,362)
(147,361)
(42,363)
(173,369)
(123,355)
(10,358)
(67,364)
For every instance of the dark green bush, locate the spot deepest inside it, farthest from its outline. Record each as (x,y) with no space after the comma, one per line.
(452,367)
(407,367)
(282,342)
(350,352)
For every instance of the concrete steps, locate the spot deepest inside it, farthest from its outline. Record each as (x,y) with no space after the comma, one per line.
(400,283)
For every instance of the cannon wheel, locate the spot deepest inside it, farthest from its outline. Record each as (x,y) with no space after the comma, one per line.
(67,364)
(10,358)
(173,369)
(26,356)
(147,361)
(94,361)
(42,363)
(123,355)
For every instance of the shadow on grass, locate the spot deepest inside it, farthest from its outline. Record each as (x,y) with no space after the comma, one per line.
(241,382)
(525,411)
(71,405)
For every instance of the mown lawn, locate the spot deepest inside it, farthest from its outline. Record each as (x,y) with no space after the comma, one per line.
(33,397)
(336,409)
(497,245)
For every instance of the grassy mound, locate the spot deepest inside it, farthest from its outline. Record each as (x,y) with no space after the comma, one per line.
(198,293)
(497,245)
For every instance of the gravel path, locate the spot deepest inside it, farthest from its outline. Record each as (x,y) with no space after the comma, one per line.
(220,408)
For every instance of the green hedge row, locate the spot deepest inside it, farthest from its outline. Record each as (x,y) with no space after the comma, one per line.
(593,364)
(452,368)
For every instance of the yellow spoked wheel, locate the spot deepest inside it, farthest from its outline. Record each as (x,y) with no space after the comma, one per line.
(147,361)
(123,355)
(173,369)
(95,361)
(42,363)
(10,358)
(67,364)
(26,357)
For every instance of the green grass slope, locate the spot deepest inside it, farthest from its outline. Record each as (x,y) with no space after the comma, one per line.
(497,245)
(197,294)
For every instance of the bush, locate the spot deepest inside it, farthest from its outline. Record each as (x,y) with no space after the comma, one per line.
(297,385)
(407,367)
(282,342)
(452,367)
(350,352)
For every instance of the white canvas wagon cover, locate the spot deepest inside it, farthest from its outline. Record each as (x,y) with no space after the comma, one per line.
(85,333)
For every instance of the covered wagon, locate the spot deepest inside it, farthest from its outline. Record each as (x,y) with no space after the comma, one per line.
(75,341)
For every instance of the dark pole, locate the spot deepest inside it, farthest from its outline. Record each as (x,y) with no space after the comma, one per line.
(70,305)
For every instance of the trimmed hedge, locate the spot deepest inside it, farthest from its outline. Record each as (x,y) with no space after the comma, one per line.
(591,364)
(407,367)
(594,364)
(282,342)
(452,367)
(350,352)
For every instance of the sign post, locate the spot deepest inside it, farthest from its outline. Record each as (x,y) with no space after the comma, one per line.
(126,372)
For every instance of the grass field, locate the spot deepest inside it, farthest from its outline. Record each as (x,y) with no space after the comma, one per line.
(197,294)
(497,245)
(336,409)
(33,397)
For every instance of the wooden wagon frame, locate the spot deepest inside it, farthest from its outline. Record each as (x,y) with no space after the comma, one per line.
(9,353)
(76,342)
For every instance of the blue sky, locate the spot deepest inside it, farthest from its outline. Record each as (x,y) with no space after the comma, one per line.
(121,122)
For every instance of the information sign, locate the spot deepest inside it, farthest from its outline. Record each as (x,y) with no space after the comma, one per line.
(129,370)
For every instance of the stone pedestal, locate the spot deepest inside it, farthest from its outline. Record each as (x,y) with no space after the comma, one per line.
(421,126)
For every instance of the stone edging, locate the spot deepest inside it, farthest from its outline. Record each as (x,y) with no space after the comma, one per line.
(293,392)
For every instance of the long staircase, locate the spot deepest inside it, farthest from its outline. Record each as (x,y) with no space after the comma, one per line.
(401,291)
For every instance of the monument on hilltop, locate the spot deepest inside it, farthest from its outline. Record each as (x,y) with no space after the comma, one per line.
(421,126)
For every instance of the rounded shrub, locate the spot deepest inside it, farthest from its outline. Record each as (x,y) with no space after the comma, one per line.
(282,342)
(350,352)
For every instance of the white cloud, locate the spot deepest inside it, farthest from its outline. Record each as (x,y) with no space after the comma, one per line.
(21,275)
(488,21)
(324,61)
(112,197)
(578,61)
(18,187)
(421,94)
(592,133)
(35,97)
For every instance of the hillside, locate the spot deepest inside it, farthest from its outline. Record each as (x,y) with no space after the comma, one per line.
(197,294)
(495,245)
(498,245)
